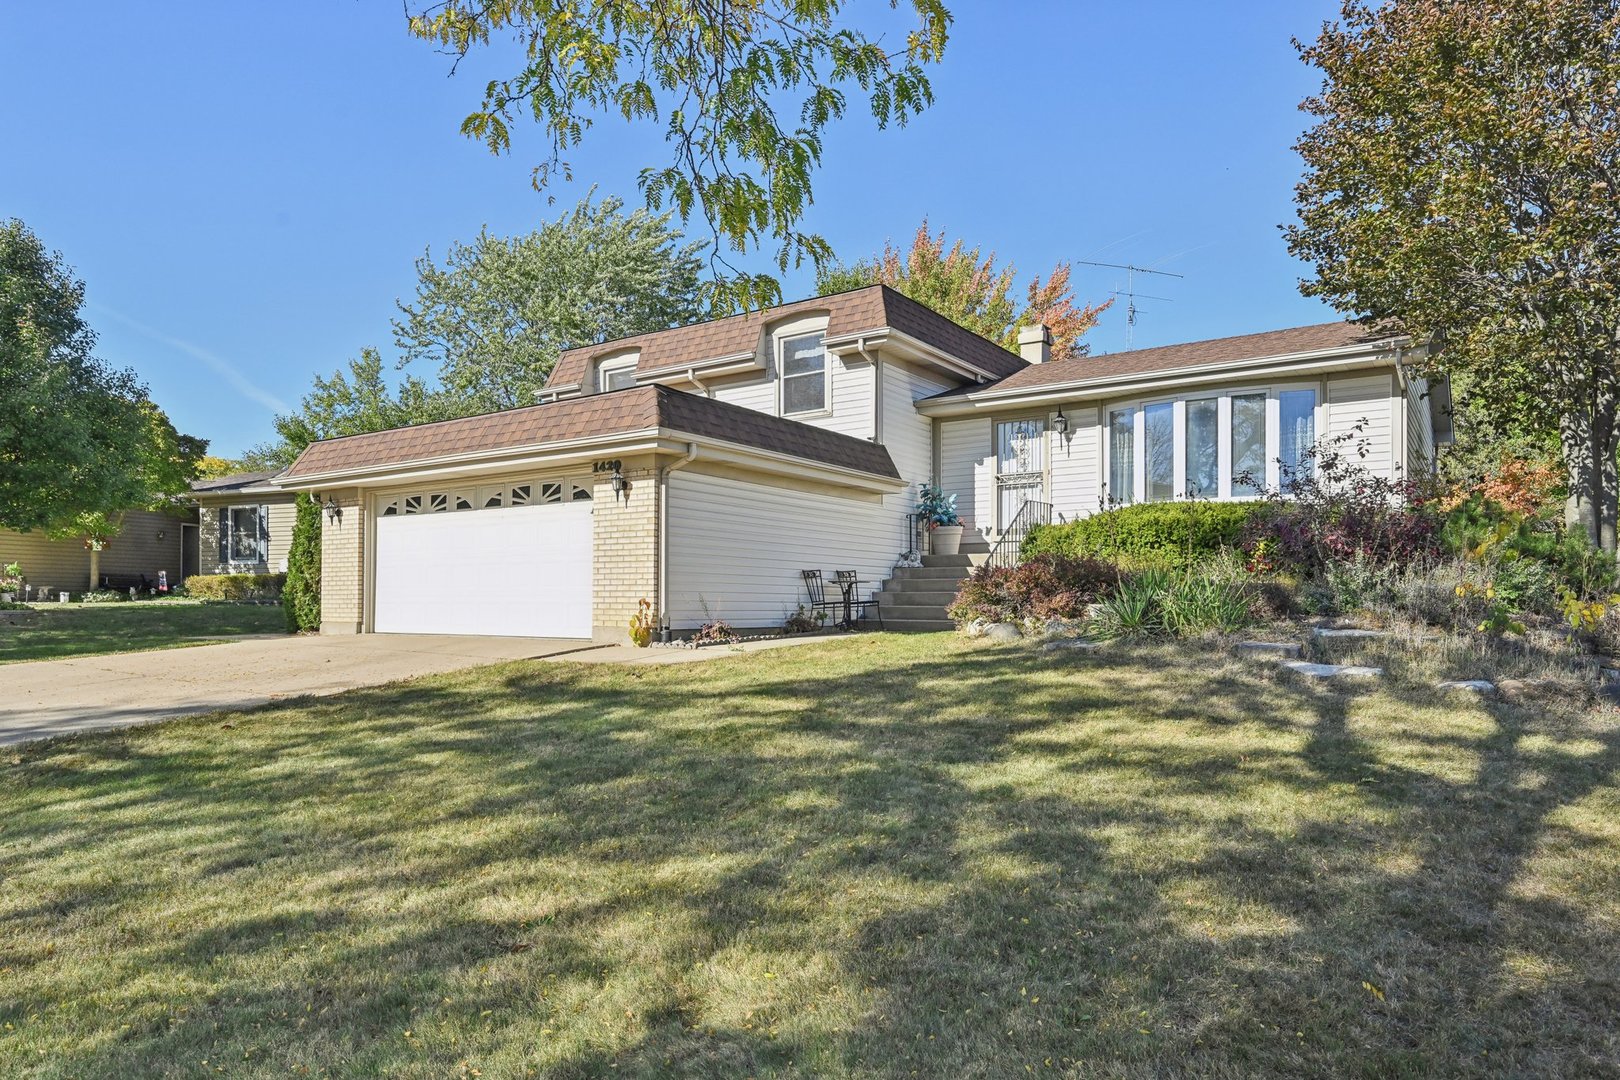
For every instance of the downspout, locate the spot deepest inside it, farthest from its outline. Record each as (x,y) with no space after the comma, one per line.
(663,531)
(691,377)
(877,388)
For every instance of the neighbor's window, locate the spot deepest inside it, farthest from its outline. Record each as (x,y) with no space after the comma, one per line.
(1248,444)
(804,374)
(1296,422)
(1122,455)
(1159,429)
(1202,462)
(242,523)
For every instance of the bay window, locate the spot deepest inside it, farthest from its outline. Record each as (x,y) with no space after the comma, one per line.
(1224,446)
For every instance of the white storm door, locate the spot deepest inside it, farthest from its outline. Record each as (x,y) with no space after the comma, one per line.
(519,571)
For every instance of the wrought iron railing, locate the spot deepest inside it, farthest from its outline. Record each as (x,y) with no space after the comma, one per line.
(1009,546)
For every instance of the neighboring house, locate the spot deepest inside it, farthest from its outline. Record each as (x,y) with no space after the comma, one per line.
(149,543)
(244,525)
(702,468)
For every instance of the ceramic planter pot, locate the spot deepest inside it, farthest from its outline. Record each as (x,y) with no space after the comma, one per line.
(947,539)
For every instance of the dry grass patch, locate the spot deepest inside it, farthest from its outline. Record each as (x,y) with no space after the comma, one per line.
(880,856)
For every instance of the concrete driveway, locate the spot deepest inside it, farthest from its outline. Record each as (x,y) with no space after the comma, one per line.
(42,698)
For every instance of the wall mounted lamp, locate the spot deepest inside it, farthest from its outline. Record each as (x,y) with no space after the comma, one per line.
(334,512)
(1060,423)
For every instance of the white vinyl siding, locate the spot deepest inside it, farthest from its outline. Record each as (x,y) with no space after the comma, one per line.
(1076,458)
(1350,401)
(736,547)
(967,470)
(907,434)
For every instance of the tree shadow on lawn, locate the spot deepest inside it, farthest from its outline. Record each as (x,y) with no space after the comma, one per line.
(954,865)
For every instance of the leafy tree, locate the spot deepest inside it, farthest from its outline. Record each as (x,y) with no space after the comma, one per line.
(1461,177)
(744,91)
(967,287)
(352,402)
(301,594)
(79,440)
(497,313)
(210,467)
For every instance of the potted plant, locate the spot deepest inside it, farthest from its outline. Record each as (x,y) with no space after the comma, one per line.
(939,511)
(11,582)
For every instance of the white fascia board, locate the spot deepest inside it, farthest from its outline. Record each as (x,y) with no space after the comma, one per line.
(552,393)
(770,461)
(1321,361)
(909,348)
(718,365)
(479,462)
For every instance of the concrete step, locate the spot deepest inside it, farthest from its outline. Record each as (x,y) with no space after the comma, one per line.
(941,599)
(965,559)
(913,612)
(917,625)
(935,573)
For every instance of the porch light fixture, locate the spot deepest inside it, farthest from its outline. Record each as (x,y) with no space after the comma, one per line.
(620,485)
(1060,423)
(334,512)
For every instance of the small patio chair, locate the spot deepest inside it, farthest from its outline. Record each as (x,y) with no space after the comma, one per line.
(847,581)
(817,588)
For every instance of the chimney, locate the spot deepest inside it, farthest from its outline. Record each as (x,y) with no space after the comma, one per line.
(1035,343)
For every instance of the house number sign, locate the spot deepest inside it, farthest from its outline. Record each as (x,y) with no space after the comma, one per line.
(606,466)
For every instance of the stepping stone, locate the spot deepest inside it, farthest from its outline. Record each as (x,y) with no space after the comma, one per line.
(1325,633)
(1072,645)
(1472,686)
(1270,648)
(1332,671)
(1003,631)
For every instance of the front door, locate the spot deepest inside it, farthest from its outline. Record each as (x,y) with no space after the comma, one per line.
(1020,467)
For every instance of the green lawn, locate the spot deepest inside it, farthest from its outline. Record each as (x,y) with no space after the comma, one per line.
(93,629)
(882,856)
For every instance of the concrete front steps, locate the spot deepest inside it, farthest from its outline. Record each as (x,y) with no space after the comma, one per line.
(915,597)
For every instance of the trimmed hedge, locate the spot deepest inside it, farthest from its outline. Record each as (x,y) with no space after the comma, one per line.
(235,586)
(1174,535)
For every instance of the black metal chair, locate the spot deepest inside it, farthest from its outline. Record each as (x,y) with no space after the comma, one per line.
(817,588)
(848,581)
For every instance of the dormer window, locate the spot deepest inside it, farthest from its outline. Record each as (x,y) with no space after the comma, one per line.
(803,360)
(617,374)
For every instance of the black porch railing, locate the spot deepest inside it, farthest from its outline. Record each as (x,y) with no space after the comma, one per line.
(1008,549)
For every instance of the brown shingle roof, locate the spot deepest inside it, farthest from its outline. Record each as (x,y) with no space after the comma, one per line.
(641,408)
(872,308)
(1240,347)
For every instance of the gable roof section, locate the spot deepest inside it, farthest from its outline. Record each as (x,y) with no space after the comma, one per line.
(1227,350)
(233,482)
(642,409)
(875,307)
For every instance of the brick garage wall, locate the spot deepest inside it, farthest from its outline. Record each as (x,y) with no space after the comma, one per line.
(624,548)
(343,560)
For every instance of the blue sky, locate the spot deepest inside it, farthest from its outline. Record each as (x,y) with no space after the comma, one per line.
(244,188)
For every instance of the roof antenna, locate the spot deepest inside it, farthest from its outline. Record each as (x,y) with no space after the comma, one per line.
(1130,294)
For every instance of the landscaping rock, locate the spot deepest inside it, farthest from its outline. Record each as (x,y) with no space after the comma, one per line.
(1329,633)
(1332,671)
(1270,648)
(1003,631)
(1072,645)
(1512,689)
(1472,686)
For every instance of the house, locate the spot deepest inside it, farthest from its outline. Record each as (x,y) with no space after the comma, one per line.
(150,542)
(244,525)
(701,468)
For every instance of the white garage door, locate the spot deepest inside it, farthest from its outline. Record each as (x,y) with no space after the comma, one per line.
(510,560)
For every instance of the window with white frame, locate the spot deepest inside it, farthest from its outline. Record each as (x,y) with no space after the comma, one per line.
(243,534)
(1211,446)
(803,364)
(616,374)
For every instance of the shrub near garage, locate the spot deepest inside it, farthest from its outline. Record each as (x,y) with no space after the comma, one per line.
(235,586)
(1175,535)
